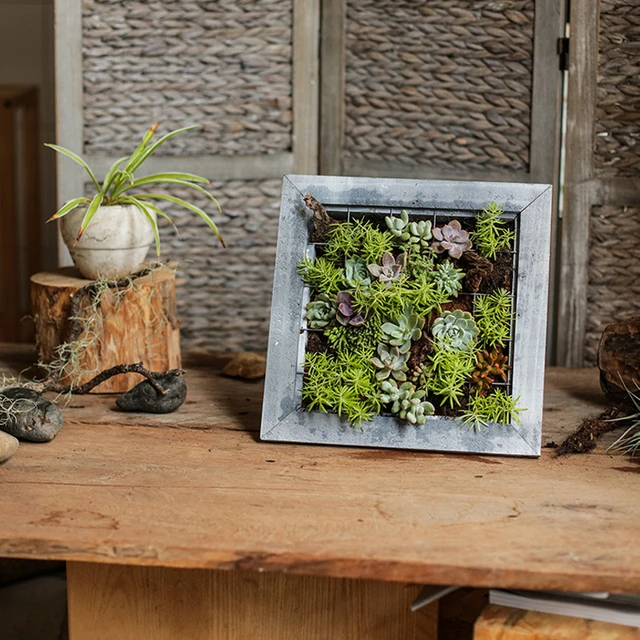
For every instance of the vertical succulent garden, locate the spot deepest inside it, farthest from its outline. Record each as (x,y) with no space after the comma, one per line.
(410,316)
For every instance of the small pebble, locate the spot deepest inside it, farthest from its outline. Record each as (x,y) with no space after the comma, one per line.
(143,397)
(8,446)
(30,415)
(249,366)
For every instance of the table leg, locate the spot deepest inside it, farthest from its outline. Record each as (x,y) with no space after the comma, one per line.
(115,602)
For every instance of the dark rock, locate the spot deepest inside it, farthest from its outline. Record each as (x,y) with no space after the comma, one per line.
(30,416)
(143,397)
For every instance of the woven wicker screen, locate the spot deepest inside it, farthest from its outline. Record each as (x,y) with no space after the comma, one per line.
(224,64)
(444,84)
(614,253)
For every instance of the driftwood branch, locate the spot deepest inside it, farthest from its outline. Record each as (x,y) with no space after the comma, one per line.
(151,376)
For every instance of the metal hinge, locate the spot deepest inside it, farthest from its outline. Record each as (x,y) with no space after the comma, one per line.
(563,53)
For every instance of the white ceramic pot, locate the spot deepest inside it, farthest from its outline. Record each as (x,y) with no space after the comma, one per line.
(114,245)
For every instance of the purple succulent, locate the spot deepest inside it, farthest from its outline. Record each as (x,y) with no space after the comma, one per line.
(452,238)
(347,314)
(390,269)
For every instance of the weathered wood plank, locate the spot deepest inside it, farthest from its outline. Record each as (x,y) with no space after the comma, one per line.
(332,71)
(574,257)
(215,497)
(110,602)
(505,623)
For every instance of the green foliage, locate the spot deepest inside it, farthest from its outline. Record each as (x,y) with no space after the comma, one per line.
(629,441)
(359,341)
(423,295)
(346,385)
(455,331)
(493,317)
(120,180)
(381,300)
(361,238)
(406,401)
(321,275)
(449,372)
(497,407)
(402,331)
(419,263)
(390,363)
(321,311)
(491,234)
(447,278)
(375,243)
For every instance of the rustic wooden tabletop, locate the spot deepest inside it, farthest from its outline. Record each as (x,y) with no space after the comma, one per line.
(198,489)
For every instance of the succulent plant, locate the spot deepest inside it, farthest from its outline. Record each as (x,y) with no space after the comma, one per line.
(356,273)
(489,366)
(399,227)
(321,311)
(420,232)
(391,363)
(408,402)
(455,330)
(390,269)
(447,278)
(452,238)
(347,314)
(400,333)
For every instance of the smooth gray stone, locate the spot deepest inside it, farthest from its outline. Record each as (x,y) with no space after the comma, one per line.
(30,415)
(143,397)
(8,446)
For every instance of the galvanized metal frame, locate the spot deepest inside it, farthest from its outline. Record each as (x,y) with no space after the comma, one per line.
(282,417)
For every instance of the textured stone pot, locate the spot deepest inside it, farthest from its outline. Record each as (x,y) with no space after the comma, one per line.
(115,243)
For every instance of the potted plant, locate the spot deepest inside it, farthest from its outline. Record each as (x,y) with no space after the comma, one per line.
(109,234)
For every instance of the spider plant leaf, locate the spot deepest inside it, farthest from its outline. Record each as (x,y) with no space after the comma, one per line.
(91,211)
(75,158)
(186,205)
(111,174)
(177,175)
(150,149)
(67,207)
(142,206)
(144,182)
(158,210)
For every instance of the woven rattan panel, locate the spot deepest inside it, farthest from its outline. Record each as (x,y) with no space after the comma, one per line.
(614,271)
(444,83)
(225,64)
(224,295)
(617,152)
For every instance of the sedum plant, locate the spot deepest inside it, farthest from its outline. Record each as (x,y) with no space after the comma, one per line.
(491,235)
(399,227)
(406,401)
(120,186)
(498,407)
(493,315)
(406,328)
(447,278)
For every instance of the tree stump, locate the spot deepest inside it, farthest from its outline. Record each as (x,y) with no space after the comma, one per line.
(105,326)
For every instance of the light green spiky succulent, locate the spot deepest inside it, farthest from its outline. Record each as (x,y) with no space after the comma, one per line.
(391,363)
(420,232)
(455,331)
(356,273)
(406,328)
(321,311)
(399,227)
(447,278)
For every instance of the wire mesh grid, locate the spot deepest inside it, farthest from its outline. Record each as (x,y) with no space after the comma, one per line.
(347,213)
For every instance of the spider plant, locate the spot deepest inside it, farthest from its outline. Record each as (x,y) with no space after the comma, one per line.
(629,441)
(120,181)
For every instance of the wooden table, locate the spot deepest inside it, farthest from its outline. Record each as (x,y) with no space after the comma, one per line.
(131,501)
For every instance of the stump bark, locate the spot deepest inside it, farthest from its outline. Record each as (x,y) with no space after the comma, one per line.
(133,323)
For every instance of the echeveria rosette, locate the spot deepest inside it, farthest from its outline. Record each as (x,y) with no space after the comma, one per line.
(399,227)
(391,268)
(321,311)
(391,363)
(455,331)
(400,333)
(347,314)
(356,273)
(420,232)
(452,238)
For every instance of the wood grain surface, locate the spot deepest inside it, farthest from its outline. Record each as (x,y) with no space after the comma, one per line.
(196,489)
(505,623)
(111,602)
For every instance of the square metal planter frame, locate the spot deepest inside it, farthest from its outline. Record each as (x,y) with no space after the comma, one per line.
(528,205)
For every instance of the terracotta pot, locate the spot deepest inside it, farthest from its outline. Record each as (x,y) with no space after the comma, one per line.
(114,245)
